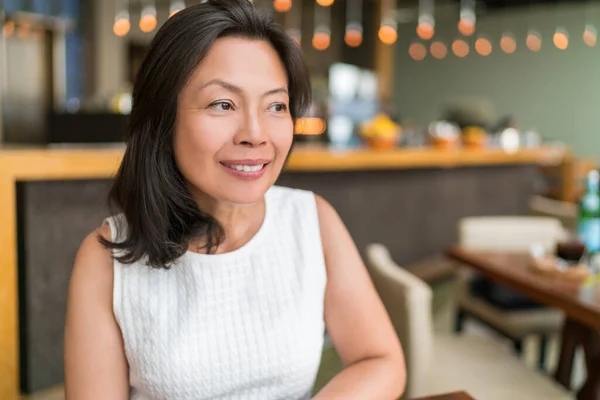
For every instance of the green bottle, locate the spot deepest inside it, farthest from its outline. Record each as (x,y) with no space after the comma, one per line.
(588,223)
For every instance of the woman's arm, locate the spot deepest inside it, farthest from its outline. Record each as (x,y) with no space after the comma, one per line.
(357,321)
(95,364)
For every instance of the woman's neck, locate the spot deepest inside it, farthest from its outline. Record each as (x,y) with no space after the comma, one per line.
(239,222)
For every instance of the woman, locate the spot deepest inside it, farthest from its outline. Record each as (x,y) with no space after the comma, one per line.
(211,282)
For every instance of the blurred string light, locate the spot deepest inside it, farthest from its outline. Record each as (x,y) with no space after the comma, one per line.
(483,46)
(508,44)
(466,22)
(388,30)
(325,3)
(282,5)
(293,22)
(561,38)
(310,126)
(321,39)
(590,35)
(534,40)
(426,21)
(122,24)
(322,34)
(175,7)
(438,49)
(417,51)
(460,48)
(353,36)
(148,20)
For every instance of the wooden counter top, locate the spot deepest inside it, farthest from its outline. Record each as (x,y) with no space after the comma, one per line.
(315,159)
(81,163)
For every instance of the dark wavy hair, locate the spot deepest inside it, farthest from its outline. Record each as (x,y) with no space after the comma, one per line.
(149,190)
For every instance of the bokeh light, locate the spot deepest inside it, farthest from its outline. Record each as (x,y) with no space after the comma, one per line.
(122,24)
(590,35)
(438,50)
(321,40)
(561,39)
(310,126)
(460,48)
(282,5)
(417,51)
(483,47)
(354,35)
(387,34)
(508,44)
(425,30)
(466,26)
(534,41)
(148,19)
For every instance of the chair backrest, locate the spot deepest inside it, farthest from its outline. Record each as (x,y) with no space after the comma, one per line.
(564,211)
(510,233)
(407,300)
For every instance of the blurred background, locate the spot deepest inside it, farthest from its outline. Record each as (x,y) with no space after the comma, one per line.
(425,113)
(526,63)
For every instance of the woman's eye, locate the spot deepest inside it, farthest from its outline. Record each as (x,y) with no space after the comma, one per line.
(278,108)
(222,106)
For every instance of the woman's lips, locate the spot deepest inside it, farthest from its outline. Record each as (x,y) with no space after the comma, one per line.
(246,169)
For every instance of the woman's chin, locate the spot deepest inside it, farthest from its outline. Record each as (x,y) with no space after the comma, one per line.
(247,196)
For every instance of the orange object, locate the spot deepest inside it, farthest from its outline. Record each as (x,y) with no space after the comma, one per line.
(443,143)
(474,141)
(381,143)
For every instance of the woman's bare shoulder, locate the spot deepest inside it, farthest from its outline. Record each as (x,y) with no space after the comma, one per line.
(95,363)
(93,262)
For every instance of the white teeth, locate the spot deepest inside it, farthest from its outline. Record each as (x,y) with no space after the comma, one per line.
(247,168)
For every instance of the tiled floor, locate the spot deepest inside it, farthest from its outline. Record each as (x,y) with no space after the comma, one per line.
(443,309)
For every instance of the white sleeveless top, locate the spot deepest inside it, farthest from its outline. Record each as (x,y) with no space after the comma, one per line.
(241,325)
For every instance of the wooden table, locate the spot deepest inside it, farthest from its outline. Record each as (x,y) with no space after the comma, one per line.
(581,304)
(448,396)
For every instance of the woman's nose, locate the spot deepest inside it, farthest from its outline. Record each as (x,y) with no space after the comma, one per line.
(251,131)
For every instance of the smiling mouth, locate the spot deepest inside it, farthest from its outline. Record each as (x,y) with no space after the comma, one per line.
(246,168)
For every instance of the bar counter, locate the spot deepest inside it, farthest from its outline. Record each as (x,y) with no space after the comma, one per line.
(101,162)
(407,199)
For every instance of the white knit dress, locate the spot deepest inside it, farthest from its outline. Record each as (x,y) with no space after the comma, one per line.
(241,325)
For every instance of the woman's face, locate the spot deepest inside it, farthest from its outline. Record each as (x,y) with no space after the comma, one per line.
(234,128)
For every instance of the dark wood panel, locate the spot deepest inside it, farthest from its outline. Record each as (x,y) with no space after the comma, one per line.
(414,212)
(54,218)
